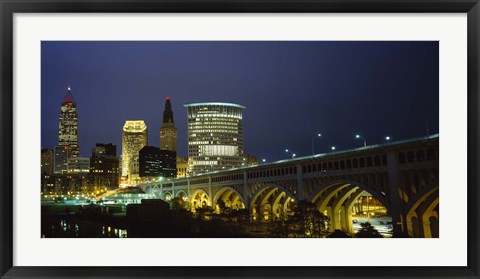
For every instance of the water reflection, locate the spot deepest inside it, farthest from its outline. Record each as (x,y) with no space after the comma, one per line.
(63,227)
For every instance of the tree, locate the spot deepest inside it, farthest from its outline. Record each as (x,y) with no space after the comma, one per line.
(368,231)
(307,221)
(204,212)
(178,204)
(338,234)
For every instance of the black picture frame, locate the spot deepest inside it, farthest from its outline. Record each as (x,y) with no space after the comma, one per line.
(9,7)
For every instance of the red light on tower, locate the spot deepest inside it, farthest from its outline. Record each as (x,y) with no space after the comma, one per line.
(168,98)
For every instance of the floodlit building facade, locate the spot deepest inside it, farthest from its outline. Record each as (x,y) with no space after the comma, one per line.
(182,166)
(215,137)
(134,138)
(68,124)
(168,132)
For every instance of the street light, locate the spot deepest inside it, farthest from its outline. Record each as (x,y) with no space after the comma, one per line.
(313,142)
(264,160)
(387,138)
(293,154)
(364,140)
(333,147)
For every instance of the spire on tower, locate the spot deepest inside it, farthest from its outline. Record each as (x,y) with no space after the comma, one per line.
(69,96)
(168,113)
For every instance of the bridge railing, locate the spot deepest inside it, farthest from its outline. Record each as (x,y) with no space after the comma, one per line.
(206,177)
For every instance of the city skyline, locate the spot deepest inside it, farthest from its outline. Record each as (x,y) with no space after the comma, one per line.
(279,98)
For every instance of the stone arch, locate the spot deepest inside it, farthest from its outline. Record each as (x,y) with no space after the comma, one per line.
(341,218)
(414,200)
(167,196)
(330,193)
(430,216)
(199,198)
(367,189)
(270,185)
(336,199)
(181,193)
(230,191)
(419,212)
(258,207)
(278,208)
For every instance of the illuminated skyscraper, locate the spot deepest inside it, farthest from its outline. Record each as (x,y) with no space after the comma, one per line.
(68,124)
(215,137)
(134,138)
(168,132)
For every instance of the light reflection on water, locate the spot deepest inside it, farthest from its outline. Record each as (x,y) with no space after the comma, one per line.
(81,228)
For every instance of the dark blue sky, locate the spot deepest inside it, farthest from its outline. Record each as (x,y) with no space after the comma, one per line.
(291,90)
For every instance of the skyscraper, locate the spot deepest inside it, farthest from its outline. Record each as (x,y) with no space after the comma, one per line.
(155,163)
(134,138)
(215,137)
(68,124)
(60,159)
(168,132)
(104,166)
(104,150)
(47,162)
(47,179)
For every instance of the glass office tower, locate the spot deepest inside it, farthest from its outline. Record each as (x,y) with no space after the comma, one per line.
(215,137)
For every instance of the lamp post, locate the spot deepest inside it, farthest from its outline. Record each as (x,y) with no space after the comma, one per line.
(387,138)
(333,148)
(313,142)
(264,160)
(364,140)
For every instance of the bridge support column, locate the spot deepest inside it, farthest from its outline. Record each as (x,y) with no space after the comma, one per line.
(331,214)
(345,218)
(188,190)
(395,201)
(338,218)
(300,195)
(210,191)
(245,190)
(349,223)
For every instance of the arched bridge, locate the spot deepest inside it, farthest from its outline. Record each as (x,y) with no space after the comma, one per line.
(403,176)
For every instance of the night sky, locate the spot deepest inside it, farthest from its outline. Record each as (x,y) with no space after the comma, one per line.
(291,90)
